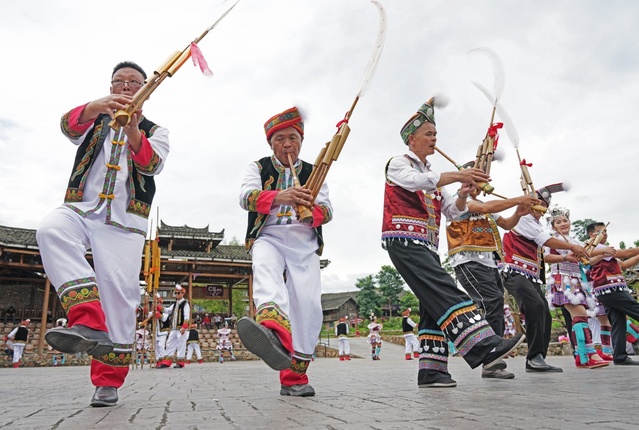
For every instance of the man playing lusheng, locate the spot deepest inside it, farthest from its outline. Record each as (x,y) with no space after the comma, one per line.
(106,209)
(473,245)
(285,254)
(522,266)
(609,287)
(414,201)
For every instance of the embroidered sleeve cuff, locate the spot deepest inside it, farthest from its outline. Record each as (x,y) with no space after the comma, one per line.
(265,201)
(321,215)
(70,125)
(146,152)
(147,161)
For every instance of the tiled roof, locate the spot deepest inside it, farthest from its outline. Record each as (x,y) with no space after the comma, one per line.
(17,237)
(333,301)
(189,232)
(25,238)
(221,252)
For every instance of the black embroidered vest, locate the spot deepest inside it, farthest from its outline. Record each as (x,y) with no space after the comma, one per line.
(270,177)
(143,188)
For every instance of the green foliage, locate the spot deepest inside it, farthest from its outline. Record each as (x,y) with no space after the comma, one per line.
(579,228)
(367,300)
(448,268)
(409,300)
(390,284)
(222,306)
(622,245)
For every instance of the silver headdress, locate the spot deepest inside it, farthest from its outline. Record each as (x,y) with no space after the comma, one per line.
(555,212)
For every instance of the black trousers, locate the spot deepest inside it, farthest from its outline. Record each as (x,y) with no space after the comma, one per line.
(618,304)
(483,285)
(443,307)
(532,302)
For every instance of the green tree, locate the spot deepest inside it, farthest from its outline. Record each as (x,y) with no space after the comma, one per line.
(367,299)
(409,300)
(579,228)
(390,284)
(447,267)
(622,245)
(636,243)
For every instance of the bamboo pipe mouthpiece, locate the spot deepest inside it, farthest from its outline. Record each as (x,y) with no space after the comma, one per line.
(486,187)
(122,117)
(304,213)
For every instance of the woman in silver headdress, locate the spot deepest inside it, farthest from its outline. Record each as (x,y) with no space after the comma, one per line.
(569,288)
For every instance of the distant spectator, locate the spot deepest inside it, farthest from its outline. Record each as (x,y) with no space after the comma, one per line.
(198,320)
(193,346)
(19,337)
(233,321)
(217,319)
(207,322)
(10,312)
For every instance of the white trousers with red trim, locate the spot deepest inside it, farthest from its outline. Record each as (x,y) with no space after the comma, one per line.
(177,343)
(64,238)
(18,349)
(291,249)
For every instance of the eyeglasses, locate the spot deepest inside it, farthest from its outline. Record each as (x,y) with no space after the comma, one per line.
(132,84)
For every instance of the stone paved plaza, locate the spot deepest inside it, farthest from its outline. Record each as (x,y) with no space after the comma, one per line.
(356,394)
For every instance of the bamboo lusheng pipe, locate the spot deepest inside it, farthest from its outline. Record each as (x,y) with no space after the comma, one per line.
(485,150)
(304,213)
(594,241)
(526,183)
(123,116)
(329,153)
(483,186)
(582,260)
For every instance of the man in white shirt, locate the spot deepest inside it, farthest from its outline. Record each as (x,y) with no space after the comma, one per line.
(414,201)
(106,208)
(285,252)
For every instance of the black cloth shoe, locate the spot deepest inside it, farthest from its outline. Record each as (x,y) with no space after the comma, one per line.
(263,343)
(301,390)
(554,369)
(496,373)
(178,366)
(104,396)
(79,338)
(538,364)
(499,365)
(434,379)
(627,362)
(503,348)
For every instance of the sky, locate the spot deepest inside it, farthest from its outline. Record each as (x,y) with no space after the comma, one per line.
(571,88)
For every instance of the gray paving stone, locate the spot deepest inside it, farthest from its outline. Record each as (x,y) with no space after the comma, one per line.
(356,394)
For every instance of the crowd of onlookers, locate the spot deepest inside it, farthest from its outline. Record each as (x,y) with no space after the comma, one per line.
(209,321)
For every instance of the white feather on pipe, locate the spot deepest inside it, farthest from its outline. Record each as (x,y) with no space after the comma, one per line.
(304,111)
(379,46)
(498,156)
(591,303)
(440,100)
(508,125)
(591,313)
(222,16)
(505,118)
(498,70)
(485,92)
